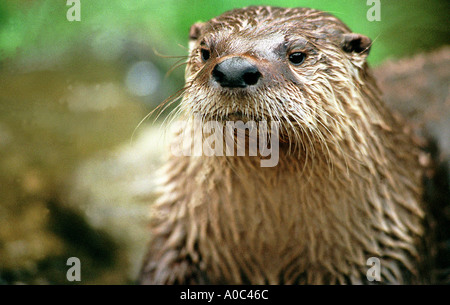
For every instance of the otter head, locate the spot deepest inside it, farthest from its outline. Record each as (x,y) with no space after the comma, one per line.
(299,66)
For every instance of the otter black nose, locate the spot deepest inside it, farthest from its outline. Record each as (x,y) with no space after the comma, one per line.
(236,72)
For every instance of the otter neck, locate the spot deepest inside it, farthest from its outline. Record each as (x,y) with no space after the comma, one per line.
(277,215)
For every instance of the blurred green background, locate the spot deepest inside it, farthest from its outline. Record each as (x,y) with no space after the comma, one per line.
(72,93)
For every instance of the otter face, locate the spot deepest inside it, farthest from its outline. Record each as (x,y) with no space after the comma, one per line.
(299,66)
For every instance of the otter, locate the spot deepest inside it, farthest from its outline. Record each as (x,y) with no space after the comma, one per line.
(347,187)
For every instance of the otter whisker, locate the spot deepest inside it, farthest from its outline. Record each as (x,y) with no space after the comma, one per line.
(176,65)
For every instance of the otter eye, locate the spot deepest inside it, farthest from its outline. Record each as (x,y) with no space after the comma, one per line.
(297,58)
(205,54)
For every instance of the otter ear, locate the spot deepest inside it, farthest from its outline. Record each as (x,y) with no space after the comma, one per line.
(356,43)
(196,30)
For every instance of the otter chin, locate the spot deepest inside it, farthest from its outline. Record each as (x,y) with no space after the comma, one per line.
(347,187)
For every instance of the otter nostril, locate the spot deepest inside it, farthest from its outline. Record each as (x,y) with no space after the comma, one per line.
(251,78)
(217,75)
(236,72)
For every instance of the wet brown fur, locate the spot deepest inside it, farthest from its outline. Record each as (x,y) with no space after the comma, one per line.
(347,186)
